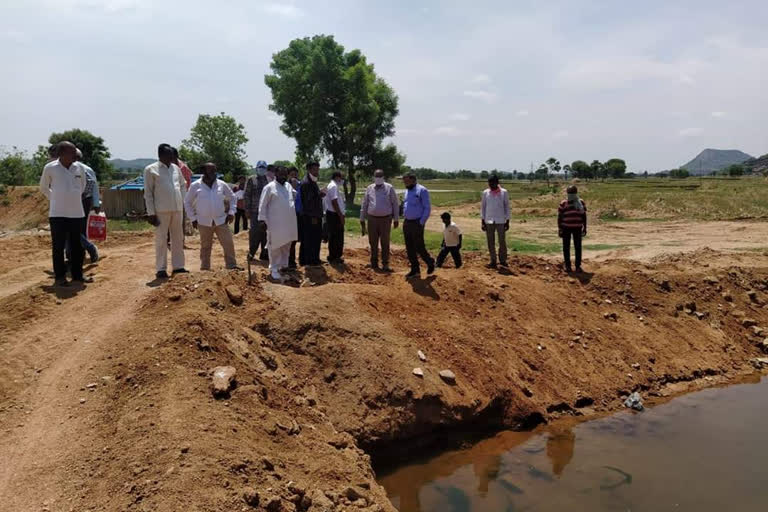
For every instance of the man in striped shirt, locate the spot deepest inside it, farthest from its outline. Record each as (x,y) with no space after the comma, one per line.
(572,222)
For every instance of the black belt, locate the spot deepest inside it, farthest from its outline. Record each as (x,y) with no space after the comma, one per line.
(413,220)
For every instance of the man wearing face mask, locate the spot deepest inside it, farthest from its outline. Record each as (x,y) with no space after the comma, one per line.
(416,210)
(311,199)
(379,208)
(494,212)
(257,237)
(335,216)
(277,211)
(206,208)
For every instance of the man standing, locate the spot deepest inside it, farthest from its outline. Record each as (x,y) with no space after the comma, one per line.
(164,191)
(293,180)
(278,212)
(494,213)
(257,237)
(380,208)
(311,199)
(91,201)
(416,210)
(239,192)
(572,222)
(206,208)
(335,217)
(63,183)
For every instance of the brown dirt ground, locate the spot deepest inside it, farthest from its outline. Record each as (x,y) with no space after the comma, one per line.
(105,401)
(26,209)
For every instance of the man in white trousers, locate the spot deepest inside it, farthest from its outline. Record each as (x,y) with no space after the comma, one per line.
(164,191)
(278,211)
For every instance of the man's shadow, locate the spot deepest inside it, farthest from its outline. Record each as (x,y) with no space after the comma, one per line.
(424,287)
(64,292)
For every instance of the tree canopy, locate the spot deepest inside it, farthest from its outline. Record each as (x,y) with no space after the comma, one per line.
(333,104)
(95,152)
(219,139)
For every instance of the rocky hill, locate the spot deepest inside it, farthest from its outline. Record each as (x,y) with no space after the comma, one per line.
(711,160)
(757,165)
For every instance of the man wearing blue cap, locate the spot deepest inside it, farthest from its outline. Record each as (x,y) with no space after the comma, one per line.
(257,235)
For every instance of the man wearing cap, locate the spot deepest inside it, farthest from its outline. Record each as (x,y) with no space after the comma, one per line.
(257,235)
(494,214)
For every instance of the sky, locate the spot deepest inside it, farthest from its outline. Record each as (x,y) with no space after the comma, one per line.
(481,85)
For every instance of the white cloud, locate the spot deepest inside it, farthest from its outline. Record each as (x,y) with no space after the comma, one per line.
(447,130)
(615,72)
(285,10)
(408,131)
(522,113)
(718,114)
(485,96)
(690,132)
(460,117)
(482,78)
(560,134)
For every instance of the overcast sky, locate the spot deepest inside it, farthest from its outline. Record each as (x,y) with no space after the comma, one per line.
(498,84)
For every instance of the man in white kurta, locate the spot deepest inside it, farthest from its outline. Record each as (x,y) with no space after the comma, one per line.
(278,212)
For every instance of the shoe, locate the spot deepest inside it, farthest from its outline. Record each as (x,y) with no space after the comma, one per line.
(568,270)
(94,257)
(387,269)
(181,270)
(374,266)
(504,264)
(84,279)
(579,270)
(292,266)
(431,268)
(236,268)
(264,256)
(412,274)
(62,283)
(458,266)
(161,275)
(251,257)
(277,276)
(491,265)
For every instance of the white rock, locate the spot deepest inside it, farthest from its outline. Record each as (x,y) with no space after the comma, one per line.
(421,355)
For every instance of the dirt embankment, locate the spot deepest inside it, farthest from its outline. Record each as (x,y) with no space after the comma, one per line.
(119,415)
(22,208)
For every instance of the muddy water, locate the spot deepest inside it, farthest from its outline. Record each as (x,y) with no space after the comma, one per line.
(703,451)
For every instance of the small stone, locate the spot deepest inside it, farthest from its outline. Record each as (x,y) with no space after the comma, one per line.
(274,504)
(174,297)
(664,285)
(421,355)
(353,494)
(727,297)
(749,322)
(608,301)
(234,294)
(251,497)
(636,366)
(699,315)
(448,376)
(418,372)
(185,448)
(760,362)
(92,385)
(752,295)
(82,400)
(758,331)
(223,381)
(267,463)
(611,316)
(329,376)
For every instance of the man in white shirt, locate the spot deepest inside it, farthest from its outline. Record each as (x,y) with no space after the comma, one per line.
(63,183)
(164,190)
(277,211)
(494,212)
(335,217)
(210,205)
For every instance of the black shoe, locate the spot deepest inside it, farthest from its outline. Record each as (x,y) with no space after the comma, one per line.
(431,268)
(292,266)
(181,270)
(568,269)
(62,283)
(412,274)
(504,264)
(264,256)
(161,275)
(94,257)
(387,269)
(491,265)
(83,279)
(579,270)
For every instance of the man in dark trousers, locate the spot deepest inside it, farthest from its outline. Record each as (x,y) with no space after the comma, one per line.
(257,236)
(572,222)
(311,216)
(416,210)
(63,182)
(335,217)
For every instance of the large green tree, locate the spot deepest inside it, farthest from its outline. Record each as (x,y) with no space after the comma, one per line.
(95,152)
(219,139)
(581,169)
(332,103)
(615,168)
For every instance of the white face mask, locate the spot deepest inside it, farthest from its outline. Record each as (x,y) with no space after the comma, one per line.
(378,181)
(312,177)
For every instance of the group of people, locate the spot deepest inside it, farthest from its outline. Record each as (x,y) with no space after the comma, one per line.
(280,212)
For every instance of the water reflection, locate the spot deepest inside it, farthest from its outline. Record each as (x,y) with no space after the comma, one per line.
(703,451)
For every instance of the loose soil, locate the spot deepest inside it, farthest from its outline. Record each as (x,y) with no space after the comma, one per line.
(105,397)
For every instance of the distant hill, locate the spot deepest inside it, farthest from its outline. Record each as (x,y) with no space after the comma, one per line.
(711,160)
(135,164)
(757,165)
